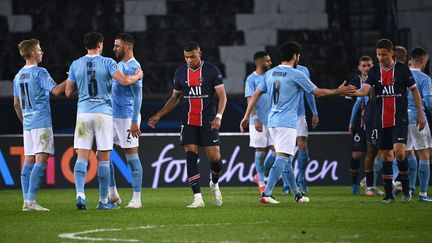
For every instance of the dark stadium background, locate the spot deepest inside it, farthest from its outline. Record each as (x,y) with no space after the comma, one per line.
(334,33)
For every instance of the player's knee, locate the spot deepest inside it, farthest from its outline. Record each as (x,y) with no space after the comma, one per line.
(356,155)
(400,155)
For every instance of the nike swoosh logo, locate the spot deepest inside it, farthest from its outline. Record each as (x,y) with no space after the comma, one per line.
(214,141)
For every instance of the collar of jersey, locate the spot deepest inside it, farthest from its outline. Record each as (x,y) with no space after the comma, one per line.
(394,64)
(282,65)
(415,69)
(29,66)
(193,70)
(92,55)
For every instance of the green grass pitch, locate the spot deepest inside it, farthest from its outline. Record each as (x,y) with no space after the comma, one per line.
(333,215)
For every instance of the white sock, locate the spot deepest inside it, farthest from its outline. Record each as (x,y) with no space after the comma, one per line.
(104,200)
(113,191)
(136,196)
(423,194)
(198,196)
(80,194)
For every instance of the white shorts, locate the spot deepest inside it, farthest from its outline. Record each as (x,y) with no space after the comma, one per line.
(302,127)
(91,125)
(284,139)
(39,140)
(259,139)
(418,139)
(121,132)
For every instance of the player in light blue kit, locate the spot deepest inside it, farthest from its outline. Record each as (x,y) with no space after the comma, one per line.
(285,85)
(420,141)
(126,102)
(91,76)
(302,136)
(32,88)
(258,131)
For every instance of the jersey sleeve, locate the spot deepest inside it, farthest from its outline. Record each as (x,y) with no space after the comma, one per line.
(45,80)
(408,78)
(304,82)
(178,86)
(15,88)
(427,86)
(217,79)
(263,85)
(112,66)
(371,79)
(249,87)
(71,75)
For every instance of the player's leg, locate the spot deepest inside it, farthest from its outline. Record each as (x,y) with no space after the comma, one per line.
(399,135)
(358,138)
(422,145)
(258,140)
(302,160)
(412,170)
(29,160)
(371,153)
(385,144)
(210,140)
(268,163)
(136,169)
(114,196)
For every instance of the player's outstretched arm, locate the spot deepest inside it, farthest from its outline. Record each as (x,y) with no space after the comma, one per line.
(17,108)
(344,90)
(128,79)
(217,121)
(363,91)
(169,106)
(420,115)
(71,88)
(245,121)
(59,89)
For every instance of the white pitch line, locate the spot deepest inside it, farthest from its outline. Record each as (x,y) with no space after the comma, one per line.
(74,236)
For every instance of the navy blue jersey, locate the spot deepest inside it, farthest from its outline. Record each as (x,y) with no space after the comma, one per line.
(391,91)
(198,88)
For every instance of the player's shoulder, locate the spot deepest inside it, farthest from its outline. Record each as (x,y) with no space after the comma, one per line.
(134,63)
(303,69)
(252,76)
(181,69)
(402,67)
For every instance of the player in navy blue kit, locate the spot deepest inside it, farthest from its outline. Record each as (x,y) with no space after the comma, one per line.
(32,88)
(391,80)
(196,84)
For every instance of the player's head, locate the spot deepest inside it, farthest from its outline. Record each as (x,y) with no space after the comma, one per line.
(290,51)
(364,64)
(123,44)
(30,49)
(192,54)
(384,52)
(419,57)
(400,54)
(262,60)
(93,40)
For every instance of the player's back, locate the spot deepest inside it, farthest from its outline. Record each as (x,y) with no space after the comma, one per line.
(122,95)
(284,84)
(301,108)
(263,104)
(32,85)
(92,74)
(424,86)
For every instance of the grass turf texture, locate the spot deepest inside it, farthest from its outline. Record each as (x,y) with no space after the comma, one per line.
(333,215)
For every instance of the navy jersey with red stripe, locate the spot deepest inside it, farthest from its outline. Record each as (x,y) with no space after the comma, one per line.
(198,88)
(390,85)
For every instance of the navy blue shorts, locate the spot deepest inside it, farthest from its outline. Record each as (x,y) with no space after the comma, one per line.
(372,135)
(387,137)
(358,141)
(202,136)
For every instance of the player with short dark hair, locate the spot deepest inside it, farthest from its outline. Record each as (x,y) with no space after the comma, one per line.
(90,76)
(126,101)
(391,80)
(196,84)
(32,88)
(285,85)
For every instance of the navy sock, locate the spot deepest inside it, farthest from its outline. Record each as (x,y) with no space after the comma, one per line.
(387,176)
(369,178)
(355,169)
(215,168)
(403,171)
(193,172)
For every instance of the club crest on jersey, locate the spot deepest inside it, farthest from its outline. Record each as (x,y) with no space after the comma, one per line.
(200,79)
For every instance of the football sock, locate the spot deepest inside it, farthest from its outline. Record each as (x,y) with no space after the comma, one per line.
(395,170)
(192,171)
(136,169)
(302,160)
(423,174)
(215,169)
(268,163)
(259,165)
(275,174)
(369,178)
(355,168)
(403,171)
(80,172)
(288,173)
(103,175)
(412,172)
(36,179)
(112,175)
(25,178)
(377,168)
(387,176)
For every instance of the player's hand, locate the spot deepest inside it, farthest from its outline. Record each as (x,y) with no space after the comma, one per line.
(421,122)
(346,90)
(350,128)
(135,130)
(153,120)
(258,125)
(315,121)
(216,123)
(244,123)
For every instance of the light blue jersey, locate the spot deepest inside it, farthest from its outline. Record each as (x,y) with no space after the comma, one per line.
(262,106)
(285,84)
(92,74)
(127,100)
(32,85)
(309,97)
(424,85)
